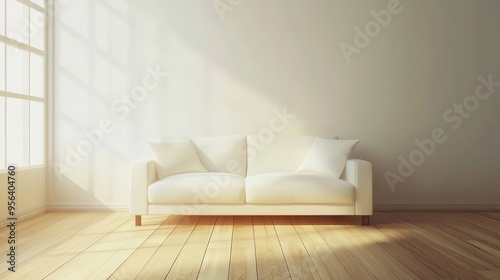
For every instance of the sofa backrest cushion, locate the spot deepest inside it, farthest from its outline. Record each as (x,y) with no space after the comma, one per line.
(226,154)
(176,157)
(280,154)
(327,156)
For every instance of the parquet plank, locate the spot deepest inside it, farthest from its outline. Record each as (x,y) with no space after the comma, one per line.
(217,257)
(107,254)
(458,250)
(326,261)
(53,258)
(427,249)
(340,239)
(134,264)
(490,274)
(397,245)
(297,258)
(271,262)
(34,245)
(161,262)
(243,263)
(188,263)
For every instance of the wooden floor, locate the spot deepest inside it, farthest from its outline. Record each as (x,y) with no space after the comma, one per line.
(399,245)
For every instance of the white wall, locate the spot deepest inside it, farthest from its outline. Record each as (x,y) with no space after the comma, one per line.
(227,76)
(30,192)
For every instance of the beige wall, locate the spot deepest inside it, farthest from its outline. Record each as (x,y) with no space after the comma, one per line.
(229,72)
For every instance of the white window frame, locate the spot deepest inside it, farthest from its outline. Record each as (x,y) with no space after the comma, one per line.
(6,94)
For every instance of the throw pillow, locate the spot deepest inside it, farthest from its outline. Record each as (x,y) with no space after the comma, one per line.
(176,158)
(327,156)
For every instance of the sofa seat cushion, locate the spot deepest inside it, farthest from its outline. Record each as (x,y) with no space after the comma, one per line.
(299,187)
(198,188)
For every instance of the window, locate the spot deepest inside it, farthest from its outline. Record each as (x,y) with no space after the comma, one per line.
(22,82)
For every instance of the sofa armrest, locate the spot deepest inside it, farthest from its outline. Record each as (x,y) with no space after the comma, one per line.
(359,173)
(142,174)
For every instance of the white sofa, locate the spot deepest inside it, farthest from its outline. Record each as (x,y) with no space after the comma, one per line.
(252,175)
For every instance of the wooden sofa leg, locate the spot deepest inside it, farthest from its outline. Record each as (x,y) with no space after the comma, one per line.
(138,220)
(365,220)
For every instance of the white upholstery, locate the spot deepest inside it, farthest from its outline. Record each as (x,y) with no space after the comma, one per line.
(291,187)
(142,174)
(176,157)
(223,153)
(202,177)
(279,155)
(359,173)
(327,156)
(253,209)
(200,188)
